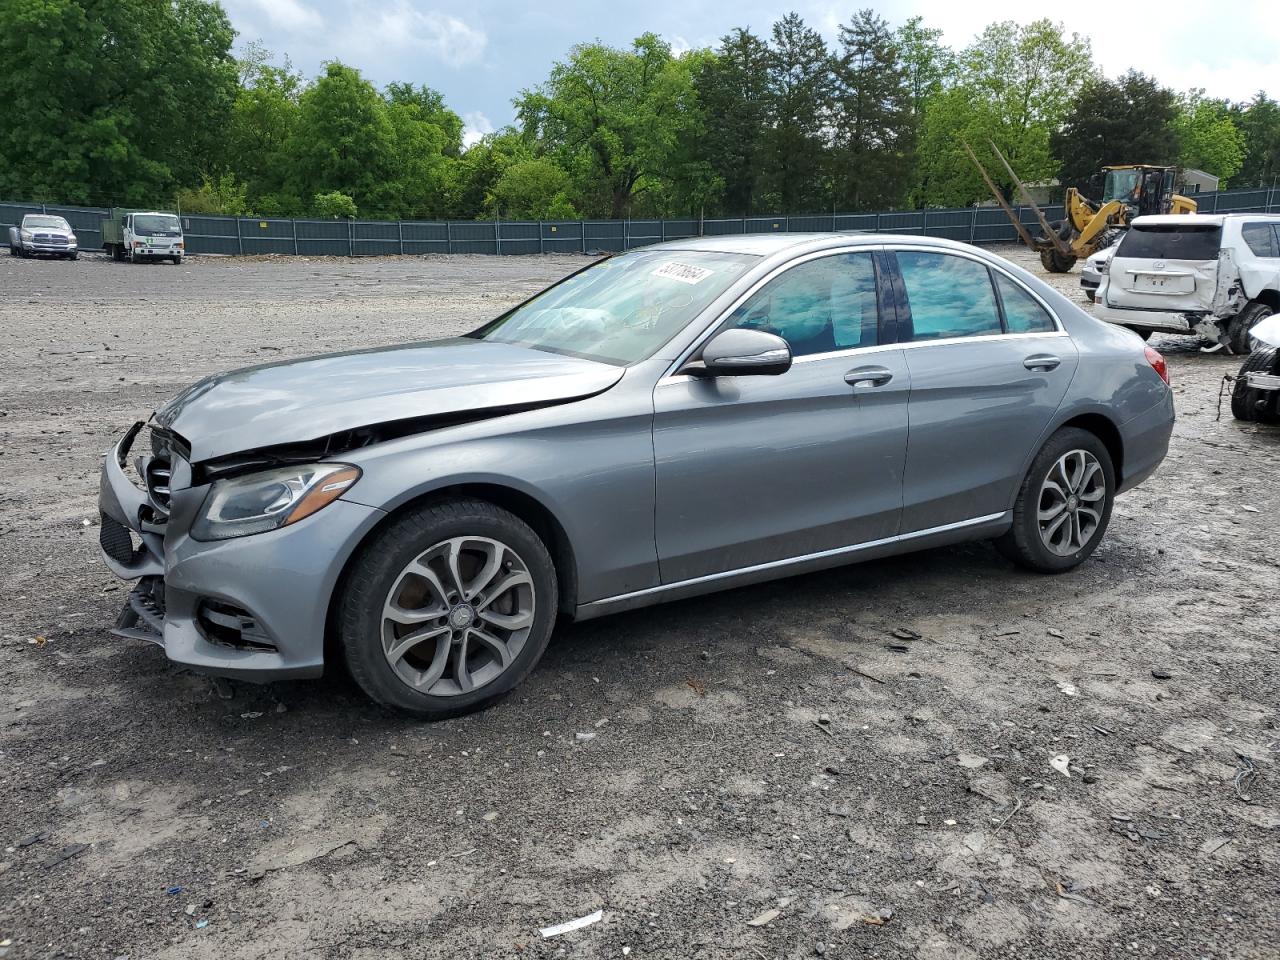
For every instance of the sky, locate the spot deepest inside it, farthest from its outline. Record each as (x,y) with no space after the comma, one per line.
(482,53)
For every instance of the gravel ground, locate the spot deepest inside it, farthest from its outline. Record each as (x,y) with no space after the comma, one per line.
(763,773)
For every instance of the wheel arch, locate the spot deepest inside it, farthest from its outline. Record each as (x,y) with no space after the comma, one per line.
(1105,429)
(528,508)
(1270,298)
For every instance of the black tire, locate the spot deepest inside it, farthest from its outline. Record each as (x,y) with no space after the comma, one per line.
(1245,399)
(1056,262)
(1091,296)
(13,250)
(379,564)
(73,256)
(1022,543)
(1244,321)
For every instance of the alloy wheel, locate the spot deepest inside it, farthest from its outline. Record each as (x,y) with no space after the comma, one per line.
(458,615)
(1072,498)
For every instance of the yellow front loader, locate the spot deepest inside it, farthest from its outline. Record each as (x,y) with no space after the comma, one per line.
(1129,190)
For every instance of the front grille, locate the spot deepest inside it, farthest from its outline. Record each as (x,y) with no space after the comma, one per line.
(158,471)
(116,540)
(51,238)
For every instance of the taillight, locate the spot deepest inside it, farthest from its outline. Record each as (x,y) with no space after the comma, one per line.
(1157,363)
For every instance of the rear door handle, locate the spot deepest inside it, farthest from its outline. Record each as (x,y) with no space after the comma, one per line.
(1042,361)
(875,376)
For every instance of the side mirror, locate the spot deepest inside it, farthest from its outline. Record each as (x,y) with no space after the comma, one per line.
(742,353)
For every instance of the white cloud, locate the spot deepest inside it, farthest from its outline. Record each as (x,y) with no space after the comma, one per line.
(474,126)
(679,45)
(291,16)
(401,27)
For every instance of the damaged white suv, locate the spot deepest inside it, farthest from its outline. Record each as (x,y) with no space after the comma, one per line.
(1209,275)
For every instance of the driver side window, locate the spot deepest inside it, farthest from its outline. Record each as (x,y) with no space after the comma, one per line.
(819,306)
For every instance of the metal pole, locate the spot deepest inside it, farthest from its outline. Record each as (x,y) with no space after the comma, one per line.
(239,238)
(924,222)
(497,233)
(448,236)
(351,238)
(295,236)
(582,234)
(626,234)
(400,231)
(973,224)
(663,228)
(540,244)
(877,229)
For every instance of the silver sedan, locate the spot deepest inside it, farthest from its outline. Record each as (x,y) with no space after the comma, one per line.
(680,419)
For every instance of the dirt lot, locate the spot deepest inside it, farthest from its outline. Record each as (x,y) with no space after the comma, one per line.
(672,767)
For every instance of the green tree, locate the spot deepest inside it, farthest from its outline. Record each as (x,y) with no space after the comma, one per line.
(1129,120)
(800,91)
(345,141)
(1259,122)
(223,195)
(1207,137)
(928,64)
(1014,86)
(472,179)
(534,189)
(117,101)
(873,122)
(431,109)
(264,118)
(733,91)
(333,205)
(612,118)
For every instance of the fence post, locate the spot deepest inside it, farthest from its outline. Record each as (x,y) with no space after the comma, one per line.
(1018,215)
(400,232)
(582,234)
(973,225)
(744,224)
(877,229)
(44,208)
(448,236)
(295,236)
(626,234)
(663,228)
(351,238)
(540,245)
(497,234)
(786,224)
(924,222)
(239,238)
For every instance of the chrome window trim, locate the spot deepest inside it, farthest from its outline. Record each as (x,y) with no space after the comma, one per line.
(805,558)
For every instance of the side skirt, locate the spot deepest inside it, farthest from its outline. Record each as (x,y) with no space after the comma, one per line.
(977,528)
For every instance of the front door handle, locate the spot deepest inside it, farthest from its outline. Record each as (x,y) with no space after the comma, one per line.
(1042,361)
(876,376)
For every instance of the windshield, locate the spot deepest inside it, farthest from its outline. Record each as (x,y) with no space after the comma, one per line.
(1122,185)
(1169,242)
(156,225)
(48,223)
(622,309)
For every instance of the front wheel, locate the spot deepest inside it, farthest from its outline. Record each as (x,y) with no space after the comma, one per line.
(1056,262)
(1064,504)
(448,608)
(1249,403)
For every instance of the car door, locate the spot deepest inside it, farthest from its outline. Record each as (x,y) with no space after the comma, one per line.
(758,469)
(989,367)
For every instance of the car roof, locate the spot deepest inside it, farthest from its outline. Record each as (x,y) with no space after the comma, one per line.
(1212,219)
(768,244)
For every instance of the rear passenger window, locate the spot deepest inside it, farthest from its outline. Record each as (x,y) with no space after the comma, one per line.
(819,306)
(949,296)
(1022,312)
(1261,238)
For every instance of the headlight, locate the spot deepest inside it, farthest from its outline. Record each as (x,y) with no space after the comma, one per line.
(265,501)
(26,234)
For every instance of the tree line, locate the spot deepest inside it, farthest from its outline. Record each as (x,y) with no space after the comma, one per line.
(144,103)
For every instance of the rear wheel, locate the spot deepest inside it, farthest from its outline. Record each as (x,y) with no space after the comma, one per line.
(1064,504)
(1056,262)
(448,608)
(1248,403)
(1238,337)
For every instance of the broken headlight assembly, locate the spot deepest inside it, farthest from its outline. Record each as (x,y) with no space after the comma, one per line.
(257,502)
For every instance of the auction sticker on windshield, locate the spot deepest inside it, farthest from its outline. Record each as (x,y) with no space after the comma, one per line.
(684,272)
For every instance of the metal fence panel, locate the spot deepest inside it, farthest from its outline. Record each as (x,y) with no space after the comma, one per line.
(273,235)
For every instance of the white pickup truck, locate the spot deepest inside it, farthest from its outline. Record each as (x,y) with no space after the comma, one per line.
(1209,275)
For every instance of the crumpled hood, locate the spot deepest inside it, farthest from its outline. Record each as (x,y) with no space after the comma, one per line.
(300,400)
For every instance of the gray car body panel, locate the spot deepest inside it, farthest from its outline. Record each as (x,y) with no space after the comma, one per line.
(662,485)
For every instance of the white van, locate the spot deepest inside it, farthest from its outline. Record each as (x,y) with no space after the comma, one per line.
(1210,275)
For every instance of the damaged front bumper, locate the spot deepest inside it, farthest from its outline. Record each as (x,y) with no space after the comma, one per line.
(253,607)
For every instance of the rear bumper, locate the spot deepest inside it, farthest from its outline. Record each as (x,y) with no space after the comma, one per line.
(1145,441)
(280,581)
(1148,319)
